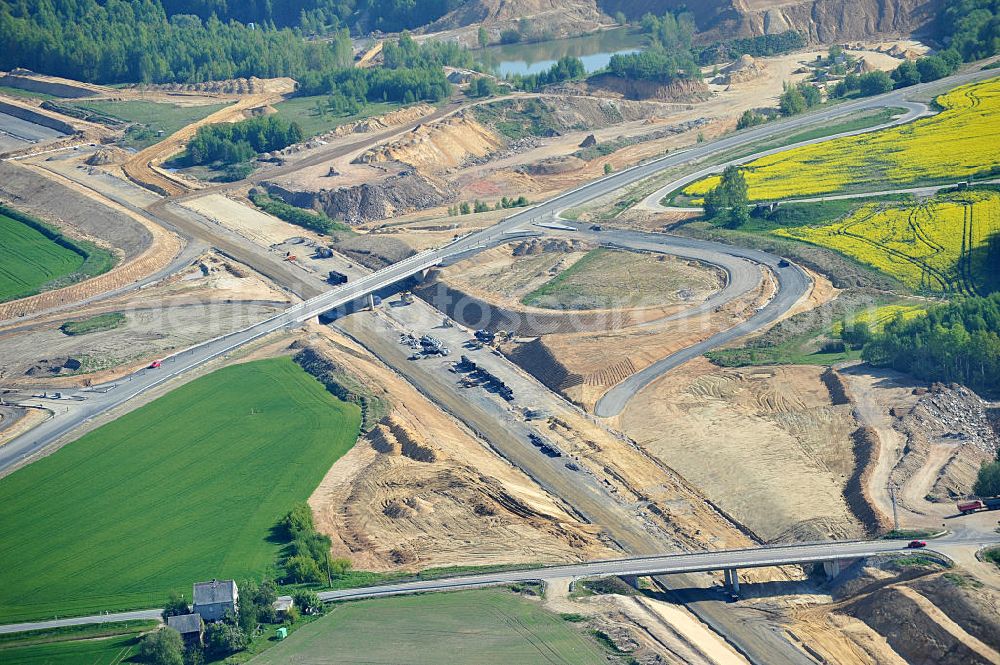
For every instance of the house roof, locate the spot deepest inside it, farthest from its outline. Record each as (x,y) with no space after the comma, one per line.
(216,591)
(283,604)
(185,623)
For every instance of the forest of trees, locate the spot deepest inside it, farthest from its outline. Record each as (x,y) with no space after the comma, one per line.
(668,56)
(319,16)
(959,342)
(566,68)
(232,143)
(115,41)
(406,53)
(970,27)
(759,46)
(378,85)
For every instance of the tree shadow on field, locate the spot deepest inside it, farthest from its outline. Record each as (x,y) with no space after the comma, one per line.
(984,264)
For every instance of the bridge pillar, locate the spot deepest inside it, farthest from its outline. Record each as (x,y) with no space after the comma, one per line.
(831,568)
(631,580)
(733,580)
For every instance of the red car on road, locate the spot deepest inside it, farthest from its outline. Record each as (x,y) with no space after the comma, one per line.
(155,364)
(915,544)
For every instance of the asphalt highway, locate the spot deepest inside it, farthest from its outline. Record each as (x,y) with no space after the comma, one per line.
(666,564)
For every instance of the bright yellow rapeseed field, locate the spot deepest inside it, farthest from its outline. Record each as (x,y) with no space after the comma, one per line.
(955,144)
(939,245)
(877,317)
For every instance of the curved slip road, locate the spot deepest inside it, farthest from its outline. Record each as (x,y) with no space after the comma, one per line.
(793,283)
(757,557)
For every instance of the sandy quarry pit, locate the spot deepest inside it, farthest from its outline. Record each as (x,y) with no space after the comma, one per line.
(766,443)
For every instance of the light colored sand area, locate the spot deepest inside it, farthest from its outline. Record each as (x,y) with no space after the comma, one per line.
(765,443)
(609,279)
(246,220)
(468,507)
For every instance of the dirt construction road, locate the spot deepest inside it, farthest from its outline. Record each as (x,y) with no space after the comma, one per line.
(141,168)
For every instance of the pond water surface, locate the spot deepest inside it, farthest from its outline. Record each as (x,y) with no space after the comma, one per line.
(593,50)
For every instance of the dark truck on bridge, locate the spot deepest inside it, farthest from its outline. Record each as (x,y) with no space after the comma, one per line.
(974,505)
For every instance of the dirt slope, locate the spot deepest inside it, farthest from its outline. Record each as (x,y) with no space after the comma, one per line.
(554,17)
(438,146)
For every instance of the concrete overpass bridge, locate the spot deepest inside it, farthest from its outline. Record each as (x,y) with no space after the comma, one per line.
(831,554)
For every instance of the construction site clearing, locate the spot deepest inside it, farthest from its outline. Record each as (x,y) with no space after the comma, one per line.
(487,428)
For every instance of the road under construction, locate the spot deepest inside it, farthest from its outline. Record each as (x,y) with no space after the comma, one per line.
(793,283)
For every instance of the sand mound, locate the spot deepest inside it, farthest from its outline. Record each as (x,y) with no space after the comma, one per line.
(437,146)
(105,156)
(742,70)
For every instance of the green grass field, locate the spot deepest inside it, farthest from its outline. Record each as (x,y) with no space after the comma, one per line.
(94,644)
(303,111)
(29,260)
(183,489)
(156,116)
(108,321)
(24,94)
(103,651)
(469,627)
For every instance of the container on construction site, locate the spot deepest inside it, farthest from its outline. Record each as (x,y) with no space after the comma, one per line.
(971,506)
(324,252)
(335,277)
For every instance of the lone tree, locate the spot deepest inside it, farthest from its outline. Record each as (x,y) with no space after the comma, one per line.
(484,36)
(727,203)
(792,101)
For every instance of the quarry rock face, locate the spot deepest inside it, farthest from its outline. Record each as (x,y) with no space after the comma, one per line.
(397,194)
(835,20)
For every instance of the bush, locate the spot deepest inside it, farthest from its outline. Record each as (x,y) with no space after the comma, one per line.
(483,86)
(176,606)
(163,647)
(874,83)
(750,119)
(315,221)
(933,68)
(308,601)
(223,638)
(510,37)
(988,481)
(906,74)
(791,101)
(297,520)
(302,568)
